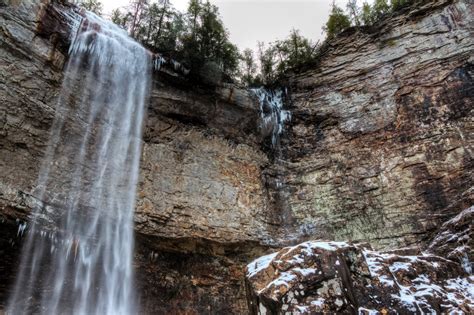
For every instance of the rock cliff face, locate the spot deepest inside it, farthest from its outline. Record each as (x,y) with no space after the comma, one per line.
(379,149)
(380,144)
(200,213)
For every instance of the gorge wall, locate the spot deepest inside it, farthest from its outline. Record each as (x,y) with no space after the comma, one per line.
(380,145)
(379,149)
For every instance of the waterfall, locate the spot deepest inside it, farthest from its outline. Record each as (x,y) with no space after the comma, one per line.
(78,252)
(273,116)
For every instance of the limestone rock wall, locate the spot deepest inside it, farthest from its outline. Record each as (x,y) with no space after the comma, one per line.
(201,199)
(380,146)
(379,149)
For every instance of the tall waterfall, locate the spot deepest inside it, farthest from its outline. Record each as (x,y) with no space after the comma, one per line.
(78,253)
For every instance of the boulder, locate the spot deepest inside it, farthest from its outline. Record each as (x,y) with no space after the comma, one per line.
(345,278)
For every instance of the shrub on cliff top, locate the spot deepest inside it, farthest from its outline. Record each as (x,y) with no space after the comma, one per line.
(337,22)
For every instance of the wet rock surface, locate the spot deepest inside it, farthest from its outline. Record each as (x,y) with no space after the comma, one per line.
(454,240)
(379,149)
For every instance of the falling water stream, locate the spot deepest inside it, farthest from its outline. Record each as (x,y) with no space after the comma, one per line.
(78,253)
(272,115)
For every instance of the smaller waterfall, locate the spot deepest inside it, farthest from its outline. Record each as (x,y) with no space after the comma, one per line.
(78,253)
(272,124)
(273,116)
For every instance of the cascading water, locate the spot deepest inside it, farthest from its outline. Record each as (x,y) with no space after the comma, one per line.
(273,116)
(87,182)
(273,119)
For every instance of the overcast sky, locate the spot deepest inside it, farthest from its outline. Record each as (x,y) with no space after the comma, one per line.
(249,21)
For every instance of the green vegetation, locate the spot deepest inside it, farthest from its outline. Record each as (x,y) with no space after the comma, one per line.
(248,67)
(197,37)
(92,5)
(357,16)
(199,40)
(278,57)
(397,4)
(337,22)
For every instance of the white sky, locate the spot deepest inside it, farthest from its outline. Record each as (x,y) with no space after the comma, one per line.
(249,21)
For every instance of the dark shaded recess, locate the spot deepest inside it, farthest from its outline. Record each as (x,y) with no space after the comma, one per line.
(53,24)
(192,276)
(460,97)
(168,285)
(10,250)
(457,93)
(350,293)
(185,119)
(430,188)
(170,77)
(319,123)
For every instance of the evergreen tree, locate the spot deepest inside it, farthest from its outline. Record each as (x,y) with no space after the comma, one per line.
(161,27)
(266,58)
(294,51)
(174,28)
(118,18)
(163,12)
(207,40)
(380,8)
(196,38)
(337,22)
(92,5)
(151,21)
(366,15)
(397,4)
(194,9)
(137,12)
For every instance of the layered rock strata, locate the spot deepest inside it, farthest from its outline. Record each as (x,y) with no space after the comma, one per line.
(201,197)
(379,149)
(380,146)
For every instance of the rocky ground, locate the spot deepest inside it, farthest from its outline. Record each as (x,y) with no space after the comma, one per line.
(345,278)
(379,150)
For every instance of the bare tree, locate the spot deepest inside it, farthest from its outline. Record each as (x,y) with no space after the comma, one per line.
(354,12)
(137,8)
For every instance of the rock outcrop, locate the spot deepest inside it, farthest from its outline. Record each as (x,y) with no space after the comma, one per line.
(343,278)
(455,240)
(379,149)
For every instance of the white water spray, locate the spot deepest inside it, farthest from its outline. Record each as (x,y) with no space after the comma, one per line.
(87,182)
(273,116)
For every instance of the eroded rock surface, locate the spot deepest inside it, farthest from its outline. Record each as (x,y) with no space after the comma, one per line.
(344,278)
(455,240)
(379,149)
(380,146)
(201,193)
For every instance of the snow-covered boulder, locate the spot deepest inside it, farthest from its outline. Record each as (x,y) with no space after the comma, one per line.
(337,277)
(455,240)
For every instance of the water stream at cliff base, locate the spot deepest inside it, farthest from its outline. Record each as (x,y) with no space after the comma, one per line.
(78,253)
